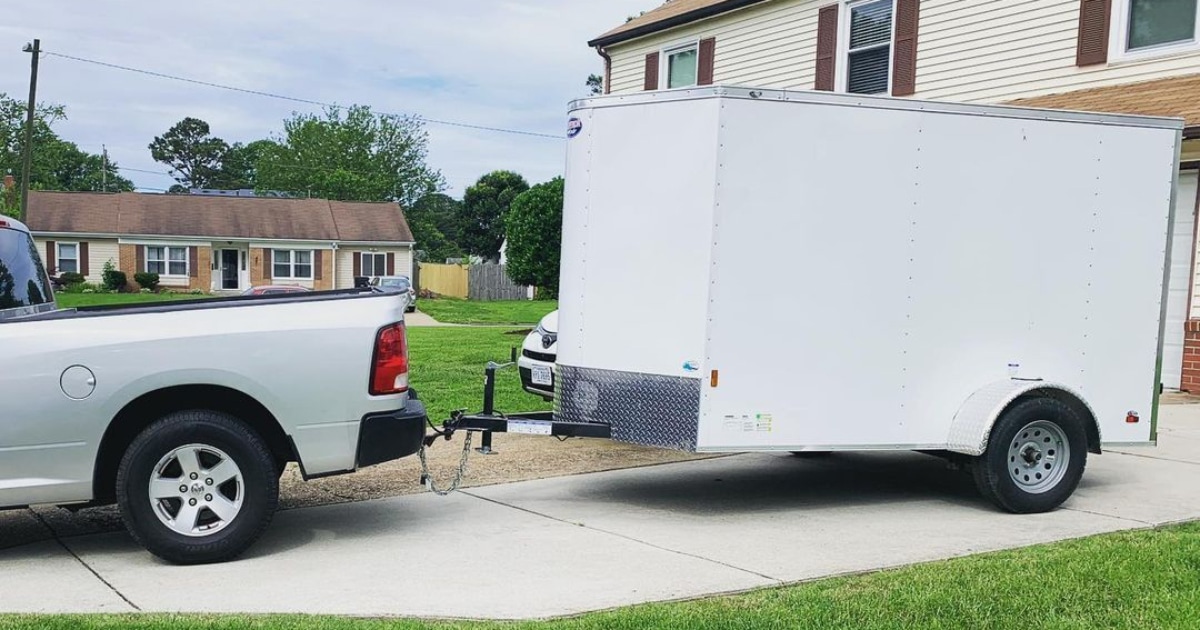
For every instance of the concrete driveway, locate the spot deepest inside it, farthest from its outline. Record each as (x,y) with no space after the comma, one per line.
(568,545)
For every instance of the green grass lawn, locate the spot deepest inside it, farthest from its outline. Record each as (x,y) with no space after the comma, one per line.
(452,311)
(447,369)
(1144,579)
(78,300)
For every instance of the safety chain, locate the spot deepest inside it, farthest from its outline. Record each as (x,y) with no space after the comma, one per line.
(427,478)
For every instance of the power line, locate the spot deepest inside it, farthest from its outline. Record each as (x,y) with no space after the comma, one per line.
(161,75)
(142,170)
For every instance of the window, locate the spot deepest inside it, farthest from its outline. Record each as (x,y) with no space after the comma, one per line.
(869,47)
(67,257)
(296,264)
(1157,23)
(374,264)
(167,261)
(683,66)
(23,280)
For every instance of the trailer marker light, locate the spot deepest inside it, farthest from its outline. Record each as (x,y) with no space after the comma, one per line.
(1132,417)
(714,378)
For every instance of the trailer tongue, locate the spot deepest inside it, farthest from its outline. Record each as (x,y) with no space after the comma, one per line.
(834,272)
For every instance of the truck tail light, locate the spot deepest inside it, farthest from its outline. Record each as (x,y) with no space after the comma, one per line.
(389,370)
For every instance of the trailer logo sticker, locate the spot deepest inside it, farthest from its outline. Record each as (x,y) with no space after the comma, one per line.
(574,126)
(691,366)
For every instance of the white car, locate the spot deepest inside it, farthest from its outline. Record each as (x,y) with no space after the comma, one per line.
(538,354)
(185,413)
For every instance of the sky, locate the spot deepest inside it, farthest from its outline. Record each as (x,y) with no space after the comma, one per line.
(511,64)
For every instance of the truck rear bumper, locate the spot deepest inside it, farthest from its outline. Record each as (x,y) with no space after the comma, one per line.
(383,437)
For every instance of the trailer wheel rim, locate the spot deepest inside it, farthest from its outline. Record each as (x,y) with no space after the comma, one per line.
(1038,457)
(196,490)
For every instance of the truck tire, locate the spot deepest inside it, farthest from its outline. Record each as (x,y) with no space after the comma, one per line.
(197,487)
(1035,458)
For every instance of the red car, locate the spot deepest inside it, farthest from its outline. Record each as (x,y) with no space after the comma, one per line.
(274,290)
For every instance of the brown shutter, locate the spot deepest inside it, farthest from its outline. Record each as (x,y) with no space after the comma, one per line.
(193,262)
(357,264)
(317,275)
(1094,21)
(827,36)
(141,259)
(50,253)
(391,264)
(84,268)
(708,59)
(651,72)
(268,267)
(904,62)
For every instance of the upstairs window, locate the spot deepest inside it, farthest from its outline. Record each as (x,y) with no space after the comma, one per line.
(869,47)
(683,67)
(1155,23)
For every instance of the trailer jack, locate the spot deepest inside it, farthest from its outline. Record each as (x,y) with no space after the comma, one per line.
(491,421)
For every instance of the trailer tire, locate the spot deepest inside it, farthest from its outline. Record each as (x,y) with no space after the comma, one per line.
(812,454)
(197,487)
(1036,455)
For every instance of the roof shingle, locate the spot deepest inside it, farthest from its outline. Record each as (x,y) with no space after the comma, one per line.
(1175,96)
(669,14)
(138,214)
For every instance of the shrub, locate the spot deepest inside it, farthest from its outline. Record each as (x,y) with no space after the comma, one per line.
(146,291)
(114,280)
(146,280)
(71,278)
(81,287)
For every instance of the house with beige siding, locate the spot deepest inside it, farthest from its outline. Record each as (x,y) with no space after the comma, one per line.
(220,244)
(1122,56)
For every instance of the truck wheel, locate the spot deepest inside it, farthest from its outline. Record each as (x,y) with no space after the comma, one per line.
(197,487)
(1035,458)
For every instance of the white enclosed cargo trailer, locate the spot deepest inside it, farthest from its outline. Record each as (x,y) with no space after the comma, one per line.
(839,272)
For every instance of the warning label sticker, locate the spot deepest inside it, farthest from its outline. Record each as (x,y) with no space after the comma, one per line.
(750,423)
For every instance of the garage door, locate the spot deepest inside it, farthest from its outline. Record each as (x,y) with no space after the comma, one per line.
(1182,250)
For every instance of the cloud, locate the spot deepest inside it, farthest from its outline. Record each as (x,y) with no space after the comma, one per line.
(512,64)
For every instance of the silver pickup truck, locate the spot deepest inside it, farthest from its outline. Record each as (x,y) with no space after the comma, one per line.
(185,413)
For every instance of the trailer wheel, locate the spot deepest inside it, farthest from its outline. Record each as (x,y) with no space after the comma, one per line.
(197,487)
(1035,458)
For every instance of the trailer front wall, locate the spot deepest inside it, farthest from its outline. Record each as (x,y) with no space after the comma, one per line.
(637,224)
(919,269)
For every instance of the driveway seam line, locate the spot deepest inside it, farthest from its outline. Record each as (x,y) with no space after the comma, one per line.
(1161,459)
(625,537)
(1119,518)
(85,565)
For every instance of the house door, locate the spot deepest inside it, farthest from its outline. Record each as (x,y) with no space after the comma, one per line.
(229,270)
(1182,249)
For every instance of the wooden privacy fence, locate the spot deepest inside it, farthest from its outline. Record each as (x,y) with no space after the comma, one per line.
(490,282)
(447,280)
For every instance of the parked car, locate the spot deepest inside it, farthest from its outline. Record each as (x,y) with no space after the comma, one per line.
(398,283)
(274,289)
(186,413)
(538,355)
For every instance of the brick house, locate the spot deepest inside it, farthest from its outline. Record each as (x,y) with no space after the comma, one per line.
(1121,56)
(220,244)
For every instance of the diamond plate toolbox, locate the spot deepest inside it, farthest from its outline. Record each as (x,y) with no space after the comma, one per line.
(648,409)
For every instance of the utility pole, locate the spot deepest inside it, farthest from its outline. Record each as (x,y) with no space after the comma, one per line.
(36,49)
(103,168)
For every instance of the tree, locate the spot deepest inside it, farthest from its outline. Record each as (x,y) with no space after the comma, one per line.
(484,207)
(56,164)
(534,227)
(239,165)
(192,152)
(434,223)
(350,155)
(595,84)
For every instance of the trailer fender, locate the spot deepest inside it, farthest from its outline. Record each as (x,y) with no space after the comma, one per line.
(972,425)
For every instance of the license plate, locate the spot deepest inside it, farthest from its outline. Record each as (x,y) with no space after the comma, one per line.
(529,427)
(542,375)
